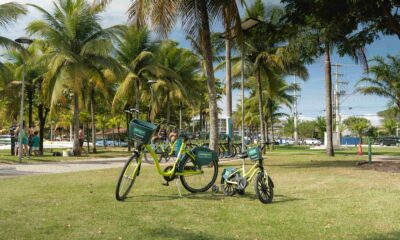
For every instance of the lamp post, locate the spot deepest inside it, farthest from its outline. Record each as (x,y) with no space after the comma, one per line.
(150,82)
(23,41)
(246,25)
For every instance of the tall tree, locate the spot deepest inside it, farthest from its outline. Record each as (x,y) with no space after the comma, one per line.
(325,25)
(135,53)
(80,49)
(196,17)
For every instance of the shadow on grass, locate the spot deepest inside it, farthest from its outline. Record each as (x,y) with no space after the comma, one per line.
(380,236)
(206,196)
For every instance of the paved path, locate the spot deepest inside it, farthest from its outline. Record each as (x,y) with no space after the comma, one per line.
(7,170)
(385,158)
(14,170)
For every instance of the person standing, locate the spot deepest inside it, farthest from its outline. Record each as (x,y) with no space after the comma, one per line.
(81,138)
(12,138)
(35,143)
(22,138)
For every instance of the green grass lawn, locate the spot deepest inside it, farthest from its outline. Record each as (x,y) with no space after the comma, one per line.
(315,198)
(110,152)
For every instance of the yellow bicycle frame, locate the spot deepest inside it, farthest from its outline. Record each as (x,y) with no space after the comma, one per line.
(173,171)
(248,175)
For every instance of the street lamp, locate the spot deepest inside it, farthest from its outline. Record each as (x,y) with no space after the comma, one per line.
(23,41)
(246,25)
(150,82)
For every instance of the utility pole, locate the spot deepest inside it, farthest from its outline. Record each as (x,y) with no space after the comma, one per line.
(338,92)
(295,114)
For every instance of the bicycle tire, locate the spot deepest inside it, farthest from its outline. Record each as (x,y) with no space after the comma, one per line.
(264,193)
(205,180)
(123,178)
(227,188)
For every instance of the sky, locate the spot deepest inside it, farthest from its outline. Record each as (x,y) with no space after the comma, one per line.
(311,102)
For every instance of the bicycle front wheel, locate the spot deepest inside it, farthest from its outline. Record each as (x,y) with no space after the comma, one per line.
(127,178)
(264,188)
(202,179)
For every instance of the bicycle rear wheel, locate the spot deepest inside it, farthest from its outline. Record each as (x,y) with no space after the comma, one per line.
(127,178)
(203,179)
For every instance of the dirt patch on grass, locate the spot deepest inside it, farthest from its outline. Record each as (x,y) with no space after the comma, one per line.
(381,166)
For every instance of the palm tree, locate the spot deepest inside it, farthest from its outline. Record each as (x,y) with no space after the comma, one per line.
(320,27)
(196,16)
(178,80)
(80,49)
(9,13)
(385,80)
(135,55)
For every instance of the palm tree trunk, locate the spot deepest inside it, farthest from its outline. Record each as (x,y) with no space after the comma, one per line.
(76,147)
(328,101)
(119,135)
(267,129)
(113,139)
(137,99)
(92,115)
(30,105)
(228,75)
(104,140)
(201,115)
(208,56)
(42,120)
(272,134)
(87,136)
(260,101)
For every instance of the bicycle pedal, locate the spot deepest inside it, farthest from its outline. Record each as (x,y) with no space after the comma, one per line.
(165,184)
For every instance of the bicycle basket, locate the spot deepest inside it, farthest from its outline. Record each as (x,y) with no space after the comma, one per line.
(204,156)
(254,153)
(141,131)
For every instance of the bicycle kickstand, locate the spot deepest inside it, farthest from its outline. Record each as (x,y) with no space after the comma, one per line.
(179,188)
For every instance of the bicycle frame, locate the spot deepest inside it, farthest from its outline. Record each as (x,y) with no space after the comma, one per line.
(173,171)
(249,175)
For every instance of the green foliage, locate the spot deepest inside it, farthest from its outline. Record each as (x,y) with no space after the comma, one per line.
(385,80)
(306,129)
(358,125)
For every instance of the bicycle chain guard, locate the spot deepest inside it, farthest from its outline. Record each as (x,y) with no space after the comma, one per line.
(169,179)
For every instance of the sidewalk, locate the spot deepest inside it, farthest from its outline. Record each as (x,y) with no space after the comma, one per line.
(7,170)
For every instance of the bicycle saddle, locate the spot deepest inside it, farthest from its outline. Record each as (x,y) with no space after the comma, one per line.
(243,155)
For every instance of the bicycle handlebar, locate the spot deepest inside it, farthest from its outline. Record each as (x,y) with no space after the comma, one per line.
(132,110)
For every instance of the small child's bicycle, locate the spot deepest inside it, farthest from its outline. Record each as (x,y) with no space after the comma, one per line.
(236,180)
(196,168)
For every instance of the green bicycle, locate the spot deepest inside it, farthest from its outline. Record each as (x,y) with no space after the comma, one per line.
(236,180)
(197,168)
(164,149)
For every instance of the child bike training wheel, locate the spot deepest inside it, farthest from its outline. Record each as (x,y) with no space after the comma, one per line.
(127,178)
(203,179)
(264,189)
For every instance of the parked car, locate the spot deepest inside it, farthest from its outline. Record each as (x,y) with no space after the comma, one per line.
(109,143)
(312,141)
(290,141)
(389,141)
